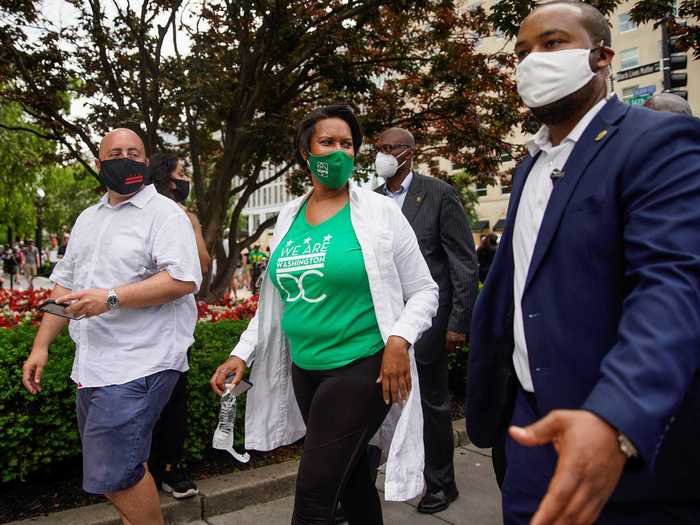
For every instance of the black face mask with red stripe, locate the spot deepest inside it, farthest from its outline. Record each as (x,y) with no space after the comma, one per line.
(124,176)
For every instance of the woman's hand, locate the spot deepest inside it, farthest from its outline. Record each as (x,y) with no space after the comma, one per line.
(395,375)
(234,365)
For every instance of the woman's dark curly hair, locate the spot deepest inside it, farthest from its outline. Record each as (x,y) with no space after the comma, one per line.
(302,140)
(162,167)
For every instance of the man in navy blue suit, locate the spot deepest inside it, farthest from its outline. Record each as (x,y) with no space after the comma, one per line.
(586,337)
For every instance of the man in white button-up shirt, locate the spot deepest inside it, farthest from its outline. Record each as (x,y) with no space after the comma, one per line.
(131,269)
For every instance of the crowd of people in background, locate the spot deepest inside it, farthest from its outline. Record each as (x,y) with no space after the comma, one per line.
(251,266)
(22,261)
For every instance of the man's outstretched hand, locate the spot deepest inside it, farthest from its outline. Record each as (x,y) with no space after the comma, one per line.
(588,469)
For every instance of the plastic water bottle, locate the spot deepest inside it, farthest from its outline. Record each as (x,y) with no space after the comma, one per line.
(223,435)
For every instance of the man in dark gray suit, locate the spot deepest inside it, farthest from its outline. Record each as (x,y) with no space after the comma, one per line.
(433,209)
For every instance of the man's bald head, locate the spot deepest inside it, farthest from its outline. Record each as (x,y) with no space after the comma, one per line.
(670,103)
(399,143)
(398,136)
(122,143)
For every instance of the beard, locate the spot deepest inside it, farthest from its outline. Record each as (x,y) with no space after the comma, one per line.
(565,108)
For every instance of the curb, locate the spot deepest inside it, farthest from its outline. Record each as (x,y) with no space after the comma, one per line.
(217,495)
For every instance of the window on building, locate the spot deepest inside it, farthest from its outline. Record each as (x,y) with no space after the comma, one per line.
(629,58)
(628,92)
(625,23)
(481,190)
(505,190)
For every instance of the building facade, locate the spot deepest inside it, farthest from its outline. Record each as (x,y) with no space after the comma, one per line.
(266,202)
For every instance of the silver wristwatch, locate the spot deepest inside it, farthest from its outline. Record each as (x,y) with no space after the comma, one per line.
(112,300)
(626,446)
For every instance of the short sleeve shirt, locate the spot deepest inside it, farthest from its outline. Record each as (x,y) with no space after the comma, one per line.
(31,254)
(128,243)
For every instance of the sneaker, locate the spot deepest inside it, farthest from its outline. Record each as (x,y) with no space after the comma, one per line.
(178,484)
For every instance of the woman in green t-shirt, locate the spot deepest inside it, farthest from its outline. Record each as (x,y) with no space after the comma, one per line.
(344,324)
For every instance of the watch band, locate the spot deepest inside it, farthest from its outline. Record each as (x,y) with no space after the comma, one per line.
(626,446)
(112,300)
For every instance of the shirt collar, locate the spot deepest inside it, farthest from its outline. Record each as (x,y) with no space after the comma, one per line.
(139,199)
(540,141)
(402,189)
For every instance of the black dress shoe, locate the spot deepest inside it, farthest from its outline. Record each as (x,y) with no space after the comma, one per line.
(438,501)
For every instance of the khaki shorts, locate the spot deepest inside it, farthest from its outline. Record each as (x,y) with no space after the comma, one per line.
(30,270)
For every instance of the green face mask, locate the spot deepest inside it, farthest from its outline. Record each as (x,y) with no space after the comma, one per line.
(332,170)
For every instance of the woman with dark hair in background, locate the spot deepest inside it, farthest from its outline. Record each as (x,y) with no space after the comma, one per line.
(170,179)
(485,254)
(345,295)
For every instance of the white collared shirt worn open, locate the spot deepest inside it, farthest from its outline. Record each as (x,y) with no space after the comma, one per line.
(128,243)
(528,220)
(405,299)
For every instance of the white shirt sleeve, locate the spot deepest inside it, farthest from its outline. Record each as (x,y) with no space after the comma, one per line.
(62,273)
(174,250)
(420,293)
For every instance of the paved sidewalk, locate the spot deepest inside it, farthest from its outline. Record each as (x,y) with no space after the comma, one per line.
(263,496)
(478,503)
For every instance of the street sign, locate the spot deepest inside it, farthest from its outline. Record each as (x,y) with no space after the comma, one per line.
(638,101)
(639,71)
(645,90)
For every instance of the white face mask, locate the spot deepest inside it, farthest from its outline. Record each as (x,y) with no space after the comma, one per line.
(387,165)
(544,78)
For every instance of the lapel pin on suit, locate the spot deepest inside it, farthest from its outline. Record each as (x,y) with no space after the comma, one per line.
(601,135)
(419,199)
(556,175)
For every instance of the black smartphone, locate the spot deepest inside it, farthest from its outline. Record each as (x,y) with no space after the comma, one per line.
(52,307)
(241,387)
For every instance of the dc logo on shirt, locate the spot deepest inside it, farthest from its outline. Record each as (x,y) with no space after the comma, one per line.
(322,169)
(299,261)
(299,281)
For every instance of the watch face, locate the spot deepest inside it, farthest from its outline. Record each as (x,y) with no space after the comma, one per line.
(112,301)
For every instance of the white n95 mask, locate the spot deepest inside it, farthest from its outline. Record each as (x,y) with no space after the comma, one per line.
(543,78)
(387,165)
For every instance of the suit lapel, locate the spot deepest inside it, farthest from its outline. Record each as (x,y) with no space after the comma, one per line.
(593,139)
(414,198)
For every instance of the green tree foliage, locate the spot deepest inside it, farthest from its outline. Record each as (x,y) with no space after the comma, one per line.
(23,157)
(29,162)
(468,196)
(229,80)
(69,190)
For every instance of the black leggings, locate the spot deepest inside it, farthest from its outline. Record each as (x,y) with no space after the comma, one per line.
(170,432)
(342,408)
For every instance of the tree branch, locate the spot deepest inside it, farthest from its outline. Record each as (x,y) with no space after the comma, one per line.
(29,130)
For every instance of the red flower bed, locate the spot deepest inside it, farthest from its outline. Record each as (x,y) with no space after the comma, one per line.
(19,306)
(228,308)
